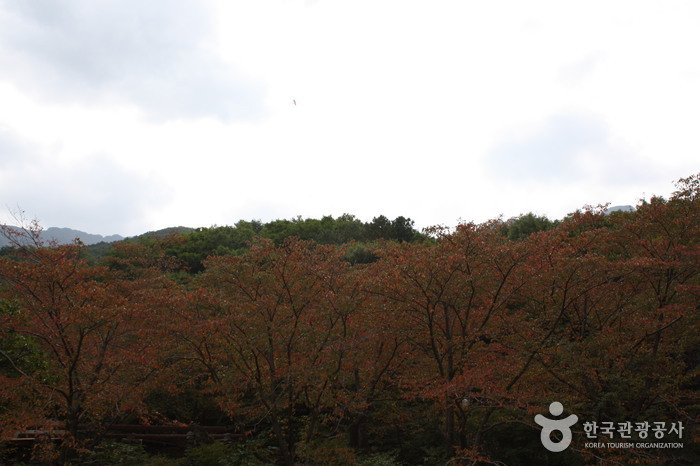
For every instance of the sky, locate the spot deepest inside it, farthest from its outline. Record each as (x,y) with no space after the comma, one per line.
(126,116)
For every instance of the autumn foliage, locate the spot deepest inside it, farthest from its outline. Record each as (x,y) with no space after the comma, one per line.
(439,350)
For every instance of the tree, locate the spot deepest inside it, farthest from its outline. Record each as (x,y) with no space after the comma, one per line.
(273,332)
(523,226)
(90,327)
(402,229)
(380,227)
(611,313)
(451,297)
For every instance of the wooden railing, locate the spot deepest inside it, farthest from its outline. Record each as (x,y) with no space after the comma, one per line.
(158,434)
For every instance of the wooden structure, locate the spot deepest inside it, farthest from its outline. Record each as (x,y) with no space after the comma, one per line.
(169,435)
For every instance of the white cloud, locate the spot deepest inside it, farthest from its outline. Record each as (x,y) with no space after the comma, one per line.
(570,148)
(435,111)
(95,195)
(157,55)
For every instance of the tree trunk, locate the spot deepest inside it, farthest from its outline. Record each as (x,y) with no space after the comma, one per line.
(358,433)
(450,428)
(281,441)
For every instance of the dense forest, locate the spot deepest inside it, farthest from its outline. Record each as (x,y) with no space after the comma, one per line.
(337,341)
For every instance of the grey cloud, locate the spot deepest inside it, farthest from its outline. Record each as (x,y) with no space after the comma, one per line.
(567,148)
(95,195)
(575,72)
(550,152)
(14,151)
(153,54)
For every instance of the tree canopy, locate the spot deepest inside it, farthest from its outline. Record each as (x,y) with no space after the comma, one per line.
(436,349)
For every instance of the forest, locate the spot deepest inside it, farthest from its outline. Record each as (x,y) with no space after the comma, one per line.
(337,341)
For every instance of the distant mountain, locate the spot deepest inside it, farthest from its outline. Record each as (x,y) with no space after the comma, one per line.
(620,208)
(68,235)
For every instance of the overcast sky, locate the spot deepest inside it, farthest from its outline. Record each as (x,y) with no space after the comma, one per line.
(123,116)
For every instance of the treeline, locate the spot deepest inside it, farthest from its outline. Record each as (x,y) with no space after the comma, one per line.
(440,349)
(192,246)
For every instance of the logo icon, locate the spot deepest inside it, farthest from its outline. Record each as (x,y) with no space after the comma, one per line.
(551,425)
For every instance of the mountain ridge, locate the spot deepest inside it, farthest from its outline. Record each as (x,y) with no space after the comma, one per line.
(63,235)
